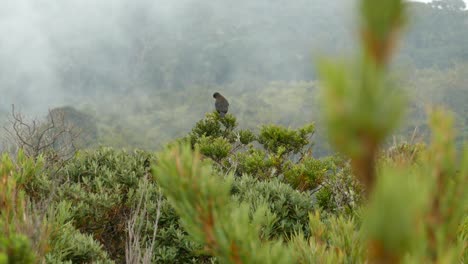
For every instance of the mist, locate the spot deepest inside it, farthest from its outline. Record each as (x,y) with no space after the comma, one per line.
(159,61)
(43,41)
(60,52)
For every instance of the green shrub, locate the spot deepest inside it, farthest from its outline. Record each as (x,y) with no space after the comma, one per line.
(216,148)
(100,193)
(230,230)
(276,152)
(34,227)
(290,206)
(340,191)
(16,248)
(414,212)
(251,227)
(307,174)
(253,162)
(397,224)
(68,244)
(23,233)
(105,186)
(275,138)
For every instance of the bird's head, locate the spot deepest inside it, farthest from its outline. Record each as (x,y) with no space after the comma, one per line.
(216,95)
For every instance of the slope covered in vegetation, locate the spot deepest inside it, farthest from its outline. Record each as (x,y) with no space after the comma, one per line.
(225,193)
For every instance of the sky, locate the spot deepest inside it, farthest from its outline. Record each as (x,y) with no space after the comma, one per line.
(427,1)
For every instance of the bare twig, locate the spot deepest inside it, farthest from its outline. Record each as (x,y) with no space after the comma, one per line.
(54,138)
(136,250)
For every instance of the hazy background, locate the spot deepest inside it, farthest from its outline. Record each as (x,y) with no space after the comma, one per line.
(145,70)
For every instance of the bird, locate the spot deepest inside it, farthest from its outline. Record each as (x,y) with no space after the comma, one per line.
(221,104)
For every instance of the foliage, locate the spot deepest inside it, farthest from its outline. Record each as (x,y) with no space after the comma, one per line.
(418,220)
(361,106)
(211,217)
(281,152)
(69,244)
(309,174)
(23,236)
(234,235)
(216,148)
(415,212)
(33,230)
(277,152)
(290,206)
(423,221)
(391,233)
(167,74)
(104,185)
(279,139)
(98,192)
(335,239)
(340,191)
(232,193)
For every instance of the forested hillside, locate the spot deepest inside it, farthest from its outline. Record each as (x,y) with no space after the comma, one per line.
(344,139)
(147,71)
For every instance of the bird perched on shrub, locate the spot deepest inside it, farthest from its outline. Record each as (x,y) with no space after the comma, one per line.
(221,104)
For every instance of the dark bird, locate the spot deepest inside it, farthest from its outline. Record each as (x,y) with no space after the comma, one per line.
(221,104)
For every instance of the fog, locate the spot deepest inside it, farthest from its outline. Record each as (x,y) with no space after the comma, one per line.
(61,52)
(55,52)
(159,61)
(41,40)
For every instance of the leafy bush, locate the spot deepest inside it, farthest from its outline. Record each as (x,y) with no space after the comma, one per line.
(33,228)
(291,207)
(16,248)
(277,152)
(23,236)
(415,209)
(98,192)
(308,174)
(68,243)
(340,192)
(243,228)
(279,139)
(281,152)
(105,185)
(211,217)
(415,212)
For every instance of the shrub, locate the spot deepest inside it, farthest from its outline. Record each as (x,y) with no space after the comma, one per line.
(211,217)
(415,212)
(340,192)
(277,138)
(282,153)
(23,230)
(101,190)
(105,185)
(38,229)
(290,206)
(244,228)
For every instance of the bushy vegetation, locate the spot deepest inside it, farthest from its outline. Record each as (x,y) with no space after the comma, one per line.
(231,194)
(414,211)
(99,193)
(169,67)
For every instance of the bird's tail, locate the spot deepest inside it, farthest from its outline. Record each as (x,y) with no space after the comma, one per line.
(222,114)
